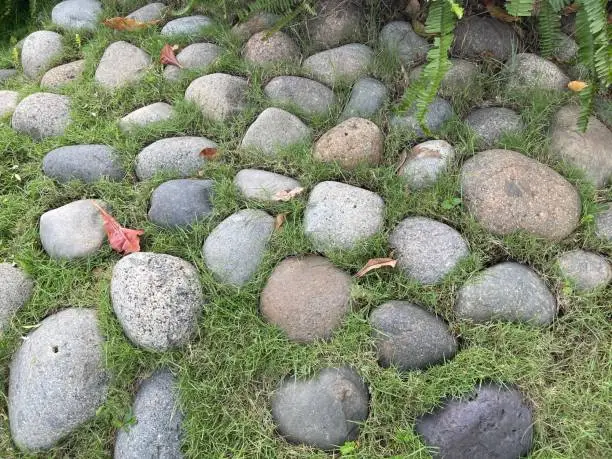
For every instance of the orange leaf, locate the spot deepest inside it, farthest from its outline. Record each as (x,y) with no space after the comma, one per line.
(287,195)
(122,240)
(569,9)
(499,13)
(576,85)
(127,24)
(208,152)
(376,263)
(279,221)
(167,57)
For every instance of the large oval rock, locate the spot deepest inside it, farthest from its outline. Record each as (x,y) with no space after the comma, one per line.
(585,270)
(149,114)
(265,49)
(57,379)
(426,162)
(344,64)
(533,71)
(323,411)
(336,22)
(76,14)
(157,299)
(367,97)
(190,25)
(274,130)
(493,423)
(157,430)
(149,12)
(458,77)
(195,56)
(42,115)
(8,102)
(480,37)
(39,50)
(181,203)
(88,163)
(309,96)
(508,291)
(307,297)
(409,338)
(62,74)
(491,123)
(507,191)
(263,185)
(438,112)
(234,249)
(218,95)
(122,63)
(603,223)
(399,39)
(15,291)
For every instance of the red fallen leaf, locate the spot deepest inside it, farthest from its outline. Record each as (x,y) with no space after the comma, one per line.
(376,263)
(287,195)
(122,240)
(127,24)
(208,152)
(167,57)
(279,221)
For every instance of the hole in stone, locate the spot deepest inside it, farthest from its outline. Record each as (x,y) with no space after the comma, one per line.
(55,349)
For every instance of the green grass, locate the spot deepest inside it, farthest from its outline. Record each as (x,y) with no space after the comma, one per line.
(230,368)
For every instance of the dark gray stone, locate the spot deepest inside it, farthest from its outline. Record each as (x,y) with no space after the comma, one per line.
(336,22)
(63,74)
(122,64)
(195,56)
(15,291)
(181,202)
(263,185)
(603,223)
(274,130)
(459,76)
(76,14)
(265,49)
(6,74)
(478,37)
(159,111)
(88,163)
(42,115)
(426,162)
(8,102)
(530,71)
(585,270)
(149,12)
(57,379)
(344,64)
(311,97)
(367,98)
(399,39)
(491,423)
(438,112)
(190,25)
(566,50)
(491,123)
(40,49)
(219,96)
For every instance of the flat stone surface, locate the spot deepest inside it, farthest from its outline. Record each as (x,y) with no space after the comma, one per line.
(263,49)
(532,71)
(176,155)
(219,96)
(86,233)
(42,115)
(15,291)
(346,63)
(589,151)
(8,102)
(478,37)
(438,112)
(408,337)
(367,98)
(263,185)
(603,222)
(309,96)
(76,14)
(458,77)
(236,247)
(426,162)
(6,74)
(63,74)
(195,56)
(399,39)
(57,379)
(149,12)
(274,130)
(491,123)
(427,250)
(190,25)
(157,430)
(256,23)
(323,411)
(507,191)
(88,163)
(508,292)
(336,22)
(339,216)
(493,422)
(153,113)
(39,50)
(181,202)
(585,270)
(157,299)
(307,297)
(122,63)
(351,143)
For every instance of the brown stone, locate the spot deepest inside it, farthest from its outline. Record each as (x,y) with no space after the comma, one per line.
(63,74)
(264,49)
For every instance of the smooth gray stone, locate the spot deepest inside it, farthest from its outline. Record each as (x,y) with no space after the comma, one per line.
(426,162)
(585,270)
(122,64)
(265,49)
(42,115)
(603,223)
(263,185)
(181,202)
(219,96)
(478,37)
(88,163)
(398,38)
(274,130)
(190,25)
(57,379)
(530,71)
(459,77)
(367,98)
(323,411)
(491,123)
(157,298)
(257,23)
(311,97)
(63,74)
(76,14)
(40,49)
(195,56)
(6,74)
(235,248)
(15,291)
(566,50)
(509,292)
(157,431)
(149,12)
(344,64)
(159,111)
(438,112)
(8,102)
(336,22)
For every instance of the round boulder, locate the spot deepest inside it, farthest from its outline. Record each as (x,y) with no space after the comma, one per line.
(265,49)
(274,130)
(426,162)
(181,202)
(367,98)
(63,74)
(149,114)
(603,223)
(438,112)
(309,96)
(15,291)
(190,25)
(399,39)
(8,102)
(76,14)
(42,115)
(150,12)
(478,37)
(491,123)
(533,71)
(219,96)
(195,56)
(122,63)
(88,163)
(39,50)
(344,64)
(336,22)
(458,77)
(585,270)
(263,185)
(257,23)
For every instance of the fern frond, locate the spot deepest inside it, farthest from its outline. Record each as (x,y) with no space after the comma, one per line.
(595,18)
(558,5)
(549,28)
(587,98)
(520,7)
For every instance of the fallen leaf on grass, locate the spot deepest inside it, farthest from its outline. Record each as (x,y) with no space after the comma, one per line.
(122,240)
(127,24)
(167,57)
(208,152)
(287,195)
(376,263)
(279,221)
(576,85)
(402,161)
(499,13)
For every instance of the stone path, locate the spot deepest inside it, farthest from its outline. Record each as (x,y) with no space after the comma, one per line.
(57,375)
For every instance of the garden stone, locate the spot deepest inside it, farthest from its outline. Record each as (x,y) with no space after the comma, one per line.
(265,49)
(491,123)
(307,297)
(195,56)
(42,115)
(586,270)
(566,50)
(8,102)
(337,22)
(353,142)
(530,71)
(15,291)
(6,74)
(256,23)
(181,202)
(88,163)
(478,37)
(410,338)
(40,49)
(507,192)
(339,216)
(57,379)
(603,223)
(86,233)
(234,249)
(144,116)
(157,299)
(122,63)
(509,292)
(324,411)
(274,130)
(157,430)
(438,112)
(367,98)
(589,151)
(218,95)
(425,163)
(263,185)
(309,96)
(177,155)
(493,422)
(399,39)
(150,12)
(76,14)
(344,64)
(460,75)
(63,74)
(190,25)
(427,250)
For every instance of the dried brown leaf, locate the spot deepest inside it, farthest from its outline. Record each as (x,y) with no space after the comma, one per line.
(279,221)
(576,85)
(376,263)
(402,161)
(167,57)
(127,24)
(208,153)
(287,195)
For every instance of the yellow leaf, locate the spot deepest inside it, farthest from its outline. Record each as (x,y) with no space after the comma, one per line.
(127,24)
(576,85)
(376,263)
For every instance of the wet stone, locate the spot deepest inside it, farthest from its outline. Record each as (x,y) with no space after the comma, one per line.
(39,50)
(144,116)
(15,291)
(265,49)
(346,63)
(150,12)
(88,163)
(42,115)
(8,102)
(367,98)
(181,202)
(585,270)
(122,63)
(483,37)
(218,95)
(399,39)
(425,163)
(263,185)
(190,25)
(535,72)
(195,56)
(76,14)
(491,123)
(274,130)
(63,74)
(438,112)
(309,96)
